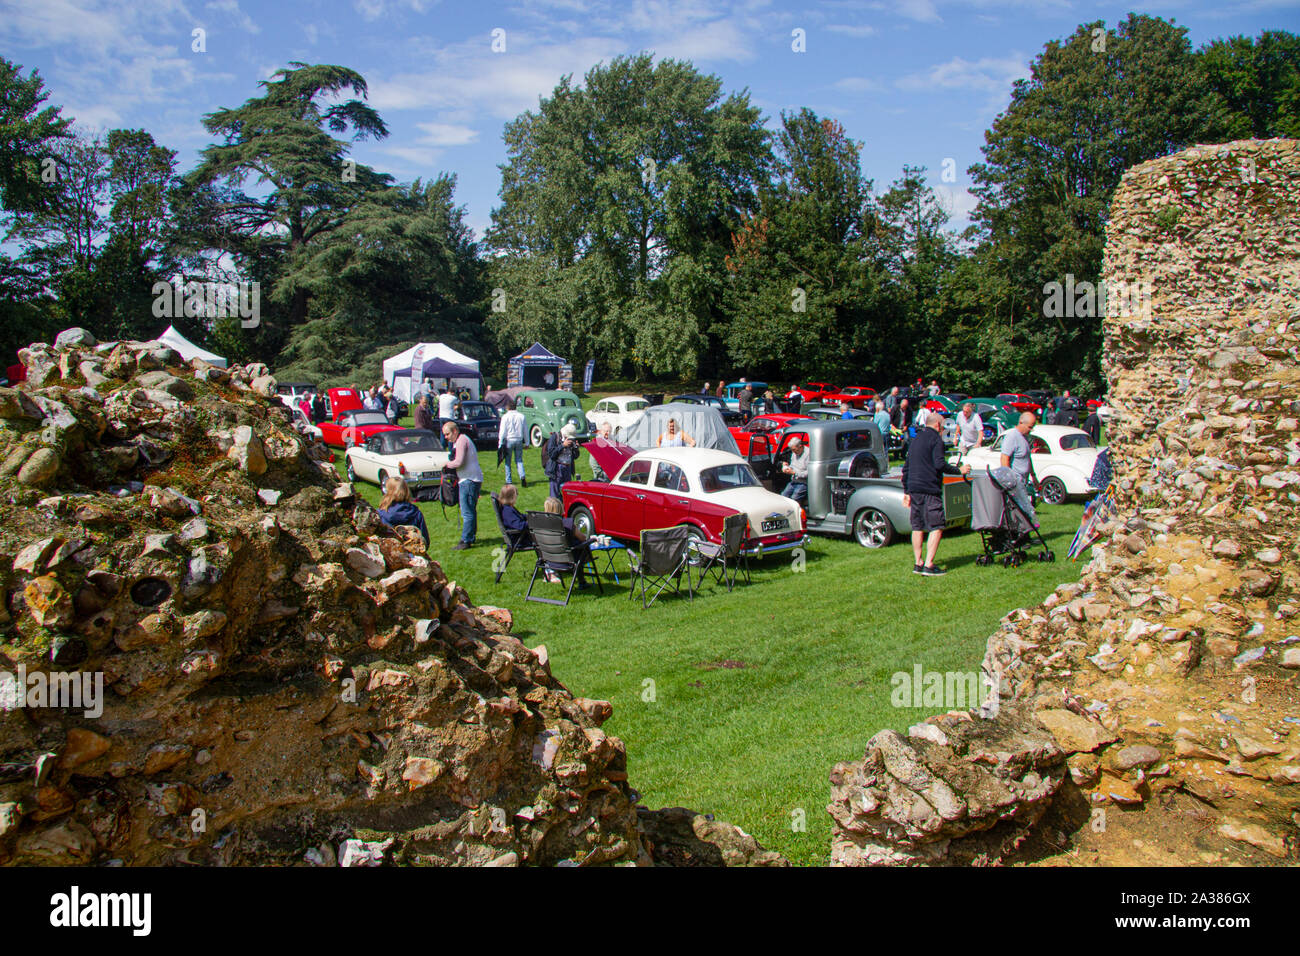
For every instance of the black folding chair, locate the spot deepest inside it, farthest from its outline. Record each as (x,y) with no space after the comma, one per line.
(555,553)
(664,555)
(727,559)
(514,540)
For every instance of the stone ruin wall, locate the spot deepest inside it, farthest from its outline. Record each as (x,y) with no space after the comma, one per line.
(1162,686)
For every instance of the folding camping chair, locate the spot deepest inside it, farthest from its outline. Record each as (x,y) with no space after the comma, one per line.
(664,555)
(514,540)
(724,560)
(555,553)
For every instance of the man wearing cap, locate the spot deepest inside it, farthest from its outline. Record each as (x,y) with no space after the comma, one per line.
(562,456)
(923,473)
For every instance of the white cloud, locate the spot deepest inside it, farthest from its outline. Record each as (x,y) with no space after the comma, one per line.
(231,8)
(992,74)
(447,134)
(858,84)
(850,30)
(959,203)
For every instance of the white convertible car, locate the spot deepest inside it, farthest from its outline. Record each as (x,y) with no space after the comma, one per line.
(619,411)
(415,454)
(1062,457)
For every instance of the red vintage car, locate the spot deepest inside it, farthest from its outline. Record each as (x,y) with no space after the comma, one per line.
(813,392)
(1020,402)
(694,488)
(857,396)
(768,424)
(351,423)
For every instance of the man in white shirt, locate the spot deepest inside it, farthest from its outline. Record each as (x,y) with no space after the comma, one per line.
(510,438)
(797,469)
(447,404)
(970,428)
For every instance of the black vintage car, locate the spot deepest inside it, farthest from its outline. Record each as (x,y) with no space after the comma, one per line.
(478,420)
(729,415)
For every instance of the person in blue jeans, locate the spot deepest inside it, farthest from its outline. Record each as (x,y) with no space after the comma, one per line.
(797,469)
(464,458)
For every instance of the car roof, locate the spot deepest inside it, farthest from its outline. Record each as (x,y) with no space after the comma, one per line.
(622,398)
(696,458)
(1056,431)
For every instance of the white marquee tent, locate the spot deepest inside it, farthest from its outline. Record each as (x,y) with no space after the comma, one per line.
(187,349)
(397,370)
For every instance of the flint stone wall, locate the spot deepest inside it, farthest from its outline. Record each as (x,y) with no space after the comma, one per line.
(1170,667)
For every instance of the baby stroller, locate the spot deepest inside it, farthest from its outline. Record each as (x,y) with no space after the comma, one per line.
(1003,525)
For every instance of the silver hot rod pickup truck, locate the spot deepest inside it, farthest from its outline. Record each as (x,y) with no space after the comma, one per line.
(850,489)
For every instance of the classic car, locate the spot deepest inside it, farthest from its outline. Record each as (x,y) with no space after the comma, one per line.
(1062,460)
(828,413)
(350,423)
(478,420)
(857,396)
(291,393)
(696,488)
(731,394)
(729,415)
(850,491)
(995,412)
(761,425)
(618,411)
(549,411)
(415,454)
(1020,402)
(813,392)
(302,421)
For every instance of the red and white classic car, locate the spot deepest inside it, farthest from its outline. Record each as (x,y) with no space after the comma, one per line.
(351,423)
(693,487)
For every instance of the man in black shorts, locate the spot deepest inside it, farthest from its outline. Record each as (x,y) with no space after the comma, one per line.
(923,473)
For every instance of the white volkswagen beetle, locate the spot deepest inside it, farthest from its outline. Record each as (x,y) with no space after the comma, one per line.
(618,411)
(1063,459)
(415,454)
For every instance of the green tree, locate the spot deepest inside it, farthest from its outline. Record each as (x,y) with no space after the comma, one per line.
(618,201)
(803,292)
(281,141)
(1258,81)
(27,133)
(1088,111)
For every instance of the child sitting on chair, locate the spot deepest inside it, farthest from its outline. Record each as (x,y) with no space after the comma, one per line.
(512,517)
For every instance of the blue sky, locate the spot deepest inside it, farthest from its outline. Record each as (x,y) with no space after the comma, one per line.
(916,81)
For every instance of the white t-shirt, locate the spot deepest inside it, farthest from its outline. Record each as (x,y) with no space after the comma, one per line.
(446,405)
(971,429)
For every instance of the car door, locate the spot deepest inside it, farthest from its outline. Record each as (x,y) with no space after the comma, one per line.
(365,459)
(624,505)
(667,500)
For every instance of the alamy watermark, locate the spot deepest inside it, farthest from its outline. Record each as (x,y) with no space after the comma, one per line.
(209,300)
(1084,299)
(944,690)
(77,690)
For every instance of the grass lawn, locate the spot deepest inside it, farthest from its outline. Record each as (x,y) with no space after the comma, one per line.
(739,704)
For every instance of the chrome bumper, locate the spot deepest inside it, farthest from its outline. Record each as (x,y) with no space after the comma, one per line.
(758,550)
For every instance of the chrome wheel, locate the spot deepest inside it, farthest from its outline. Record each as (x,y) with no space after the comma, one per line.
(352,475)
(583,521)
(872,528)
(1052,490)
(535,436)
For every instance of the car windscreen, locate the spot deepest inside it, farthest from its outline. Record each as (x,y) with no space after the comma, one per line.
(1070,441)
(475,410)
(854,440)
(361,419)
(563,402)
(637,406)
(724,477)
(412,440)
